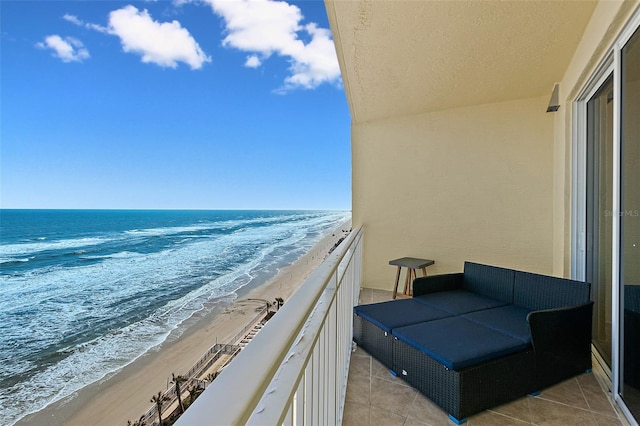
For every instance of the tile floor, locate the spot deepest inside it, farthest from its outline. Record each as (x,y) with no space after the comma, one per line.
(375,397)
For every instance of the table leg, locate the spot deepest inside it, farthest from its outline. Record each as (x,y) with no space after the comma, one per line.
(424,271)
(395,289)
(407,279)
(413,277)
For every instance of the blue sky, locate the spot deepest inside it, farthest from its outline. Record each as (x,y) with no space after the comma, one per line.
(184,104)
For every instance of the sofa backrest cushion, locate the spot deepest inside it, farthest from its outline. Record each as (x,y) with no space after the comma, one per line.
(458,302)
(491,281)
(538,292)
(398,313)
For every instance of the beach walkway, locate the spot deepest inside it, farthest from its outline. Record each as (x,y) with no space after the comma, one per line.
(209,366)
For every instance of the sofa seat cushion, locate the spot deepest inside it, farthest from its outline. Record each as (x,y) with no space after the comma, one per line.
(458,343)
(510,320)
(398,313)
(458,302)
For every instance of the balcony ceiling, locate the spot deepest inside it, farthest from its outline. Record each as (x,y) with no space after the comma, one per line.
(408,57)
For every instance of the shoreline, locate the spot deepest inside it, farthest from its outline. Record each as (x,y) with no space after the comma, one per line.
(125,395)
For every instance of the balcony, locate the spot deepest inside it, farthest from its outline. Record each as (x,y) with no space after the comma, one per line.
(302,369)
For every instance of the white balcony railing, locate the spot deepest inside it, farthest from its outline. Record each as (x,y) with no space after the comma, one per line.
(295,370)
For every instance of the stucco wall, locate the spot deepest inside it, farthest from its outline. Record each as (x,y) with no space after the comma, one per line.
(473,183)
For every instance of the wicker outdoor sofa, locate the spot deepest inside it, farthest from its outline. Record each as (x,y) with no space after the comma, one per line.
(474,340)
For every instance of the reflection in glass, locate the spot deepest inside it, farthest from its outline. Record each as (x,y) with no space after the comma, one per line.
(600,214)
(630,223)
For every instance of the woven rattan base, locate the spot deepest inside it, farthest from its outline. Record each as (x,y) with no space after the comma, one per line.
(470,390)
(374,340)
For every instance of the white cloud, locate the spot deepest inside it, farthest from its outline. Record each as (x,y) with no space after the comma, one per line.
(97,27)
(253,62)
(316,63)
(163,44)
(260,25)
(269,27)
(179,3)
(79,22)
(73,19)
(68,49)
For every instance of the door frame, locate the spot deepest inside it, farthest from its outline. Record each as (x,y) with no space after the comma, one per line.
(609,65)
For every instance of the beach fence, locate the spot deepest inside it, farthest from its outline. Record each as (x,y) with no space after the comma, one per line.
(208,359)
(219,350)
(251,324)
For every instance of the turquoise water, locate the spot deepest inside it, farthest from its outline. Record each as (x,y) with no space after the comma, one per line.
(83,293)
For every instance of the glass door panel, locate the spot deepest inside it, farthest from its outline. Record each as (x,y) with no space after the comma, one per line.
(600,213)
(630,224)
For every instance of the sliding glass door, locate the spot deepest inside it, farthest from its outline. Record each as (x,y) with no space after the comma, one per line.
(599,211)
(606,206)
(630,223)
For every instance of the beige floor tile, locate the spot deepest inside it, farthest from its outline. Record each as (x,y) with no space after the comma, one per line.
(548,413)
(597,400)
(567,392)
(356,414)
(489,418)
(365,297)
(358,389)
(359,352)
(381,295)
(380,417)
(519,409)
(382,372)
(424,410)
(606,420)
(412,422)
(390,396)
(360,365)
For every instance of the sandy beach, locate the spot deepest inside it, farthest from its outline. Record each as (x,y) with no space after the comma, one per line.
(125,395)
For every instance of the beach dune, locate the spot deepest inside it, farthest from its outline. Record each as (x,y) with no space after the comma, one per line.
(125,395)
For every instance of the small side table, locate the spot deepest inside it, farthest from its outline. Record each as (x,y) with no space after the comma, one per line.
(411,263)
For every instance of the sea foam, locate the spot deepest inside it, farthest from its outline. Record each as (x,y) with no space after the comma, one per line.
(72,318)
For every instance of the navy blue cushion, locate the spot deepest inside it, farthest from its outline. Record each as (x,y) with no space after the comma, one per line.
(458,302)
(398,313)
(510,320)
(457,342)
(490,281)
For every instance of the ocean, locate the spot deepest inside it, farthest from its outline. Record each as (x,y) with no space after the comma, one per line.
(84,293)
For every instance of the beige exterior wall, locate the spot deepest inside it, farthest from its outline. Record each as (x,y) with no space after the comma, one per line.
(472,183)
(490,183)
